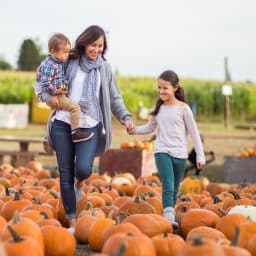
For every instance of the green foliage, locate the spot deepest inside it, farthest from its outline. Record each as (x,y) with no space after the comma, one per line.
(15,87)
(30,56)
(4,65)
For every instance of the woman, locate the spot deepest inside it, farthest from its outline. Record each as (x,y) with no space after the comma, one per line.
(93,86)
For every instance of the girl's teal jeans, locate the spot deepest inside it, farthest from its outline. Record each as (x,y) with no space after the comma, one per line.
(171,171)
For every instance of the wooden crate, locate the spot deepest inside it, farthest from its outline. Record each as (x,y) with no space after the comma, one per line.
(138,162)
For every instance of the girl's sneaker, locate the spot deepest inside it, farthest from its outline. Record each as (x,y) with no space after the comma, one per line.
(71,230)
(169,214)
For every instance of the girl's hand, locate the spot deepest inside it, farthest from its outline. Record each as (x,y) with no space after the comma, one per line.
(199,165)
(130,128)
(53,103)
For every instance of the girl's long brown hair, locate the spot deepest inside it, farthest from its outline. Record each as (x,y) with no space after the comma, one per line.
(172,77)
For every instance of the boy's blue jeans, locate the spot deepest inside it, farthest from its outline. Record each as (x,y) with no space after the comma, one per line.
(171,171)
(75,160)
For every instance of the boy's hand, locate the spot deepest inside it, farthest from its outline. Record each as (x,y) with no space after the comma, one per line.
(61,90)
(53,103)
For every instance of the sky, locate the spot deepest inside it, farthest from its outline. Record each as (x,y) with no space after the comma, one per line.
(145,37)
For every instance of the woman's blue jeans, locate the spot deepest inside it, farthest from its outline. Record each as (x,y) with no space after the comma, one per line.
(75,160)
(171,171)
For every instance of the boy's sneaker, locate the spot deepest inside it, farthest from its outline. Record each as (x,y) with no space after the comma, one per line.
(80,135)
(47,147)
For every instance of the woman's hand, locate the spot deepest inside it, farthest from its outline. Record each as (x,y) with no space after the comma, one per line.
(199,165)
(54,103)
(130,128)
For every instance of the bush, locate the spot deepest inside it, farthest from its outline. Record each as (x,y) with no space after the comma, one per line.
(15,87)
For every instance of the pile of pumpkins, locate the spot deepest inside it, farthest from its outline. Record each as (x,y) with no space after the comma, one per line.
(248,152)
(122,215)
(137,144)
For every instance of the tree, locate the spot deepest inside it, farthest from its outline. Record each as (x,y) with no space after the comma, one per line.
(4,65)
(30,56)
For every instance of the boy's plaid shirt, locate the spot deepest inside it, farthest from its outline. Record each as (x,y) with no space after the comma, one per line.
(51,74)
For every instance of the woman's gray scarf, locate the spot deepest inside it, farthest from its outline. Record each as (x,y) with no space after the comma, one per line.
(89,102)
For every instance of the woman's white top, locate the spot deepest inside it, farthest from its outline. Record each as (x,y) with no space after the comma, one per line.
(85,121)
(173,124)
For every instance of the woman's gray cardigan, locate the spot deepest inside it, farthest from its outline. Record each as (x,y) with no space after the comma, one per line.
(110,101)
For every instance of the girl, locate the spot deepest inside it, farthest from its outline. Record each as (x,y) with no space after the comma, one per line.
(174,121)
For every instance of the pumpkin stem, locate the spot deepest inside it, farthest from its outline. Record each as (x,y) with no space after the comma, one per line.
(197,240)
(36,183)
(165,234)
(109,187)
(7,193)
(185,199)
(235,194)
(222,211)
(98,187)
(137,199)
(55,195)
(150,194)
(89,205)
(16,196)
(118,220)
(45,215)
(108,203)
(235,237)
(216,199)
(150,182)
(36,200)
(184,209)
(110,214)
(16,217)
(15,235)
(120,250)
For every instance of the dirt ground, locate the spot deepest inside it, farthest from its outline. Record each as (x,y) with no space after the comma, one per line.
(223,141)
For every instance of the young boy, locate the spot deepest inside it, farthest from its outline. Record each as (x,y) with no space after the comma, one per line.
(51,77)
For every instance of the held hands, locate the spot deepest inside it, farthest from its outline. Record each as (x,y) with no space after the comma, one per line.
(130,128)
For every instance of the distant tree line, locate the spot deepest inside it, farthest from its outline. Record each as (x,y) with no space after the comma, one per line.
(30,56)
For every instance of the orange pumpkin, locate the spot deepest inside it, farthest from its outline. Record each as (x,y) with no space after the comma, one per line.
(197,217)
(19,245)
(134,244)
(198,245)
(96,230)
(168,244)
(58,241)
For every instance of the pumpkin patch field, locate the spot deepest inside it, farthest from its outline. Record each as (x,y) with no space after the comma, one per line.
(122,215)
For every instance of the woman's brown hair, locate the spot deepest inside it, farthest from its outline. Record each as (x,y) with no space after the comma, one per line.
(89,35)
